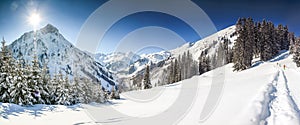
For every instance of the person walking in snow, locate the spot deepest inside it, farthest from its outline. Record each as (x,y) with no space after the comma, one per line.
(284,66)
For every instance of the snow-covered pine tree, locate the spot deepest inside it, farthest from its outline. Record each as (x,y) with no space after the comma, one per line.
(62,93)
(201,63)
(182,67)
(98,93)
(171,73)
(270,46)
(146,81)
(114,94)
(249,41)
(275,44)
(175,73)
(86,87)
(292,41)
(45,85)
(204,63)
(284,42)
(35,81)
(188,64)
(19,91)
(76,91)
(194,68)
(5,73)
(296,56)
(239,51)
(257,40)
(53,87)
(179,66)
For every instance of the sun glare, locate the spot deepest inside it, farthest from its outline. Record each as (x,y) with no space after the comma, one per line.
(34,19)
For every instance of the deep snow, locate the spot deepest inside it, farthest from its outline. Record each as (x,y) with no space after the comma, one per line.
(264,94)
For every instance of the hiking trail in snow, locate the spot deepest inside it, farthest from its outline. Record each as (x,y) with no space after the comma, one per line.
(282,109)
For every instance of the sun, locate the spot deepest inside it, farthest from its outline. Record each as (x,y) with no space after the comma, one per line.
(34,19)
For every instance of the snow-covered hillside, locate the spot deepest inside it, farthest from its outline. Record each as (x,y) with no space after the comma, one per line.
(59,54)
(126,65)
(264,94)
(211,43)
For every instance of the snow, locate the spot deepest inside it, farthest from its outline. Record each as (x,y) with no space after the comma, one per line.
(59,54)
(211,42)
(12,114)
(264,94)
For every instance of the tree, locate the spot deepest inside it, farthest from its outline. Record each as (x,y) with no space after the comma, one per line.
(35,81)
(249,41)
(45,86)
(283,37)
(146,81)
(19,92)
(292,42)
(296,56)
(76,91)
(257,39)
(62,95)
(239,50)
(4,75)
(114,94)
(171,73)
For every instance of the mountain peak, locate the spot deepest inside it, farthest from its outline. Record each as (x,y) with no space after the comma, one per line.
(49,29)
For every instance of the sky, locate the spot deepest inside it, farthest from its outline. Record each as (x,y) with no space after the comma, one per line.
(144,27)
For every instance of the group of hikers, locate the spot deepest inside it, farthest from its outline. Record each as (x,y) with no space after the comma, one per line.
(284,66)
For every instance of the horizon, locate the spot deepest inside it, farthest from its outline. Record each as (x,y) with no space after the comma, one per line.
(69,18)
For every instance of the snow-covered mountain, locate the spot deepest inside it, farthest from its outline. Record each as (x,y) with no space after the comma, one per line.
(211,43)
(125,67)
(128,63)
(117,61)
(60,55)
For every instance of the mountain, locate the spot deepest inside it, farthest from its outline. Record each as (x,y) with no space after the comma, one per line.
(126,68)
(60,55)
(122,63)
(118,61)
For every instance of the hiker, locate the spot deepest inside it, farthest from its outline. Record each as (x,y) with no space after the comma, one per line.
(284,66)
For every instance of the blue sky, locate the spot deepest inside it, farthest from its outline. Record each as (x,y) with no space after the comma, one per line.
(69,15)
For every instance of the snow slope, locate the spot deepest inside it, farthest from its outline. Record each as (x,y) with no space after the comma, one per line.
(12,114)
(259,95)
(264,94)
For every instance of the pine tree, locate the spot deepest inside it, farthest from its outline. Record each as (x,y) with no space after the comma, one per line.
(296,56)
(249,41)
(257,40)
(292,41)
(19,92)
(4,75)
(146,81)
(171,73)
(238,48)
(176,72)
(35,81)
(87,91)
(77,92)
(45,88)
(114,94)
(99,94)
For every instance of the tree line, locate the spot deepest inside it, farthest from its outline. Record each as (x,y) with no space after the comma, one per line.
(259,39)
